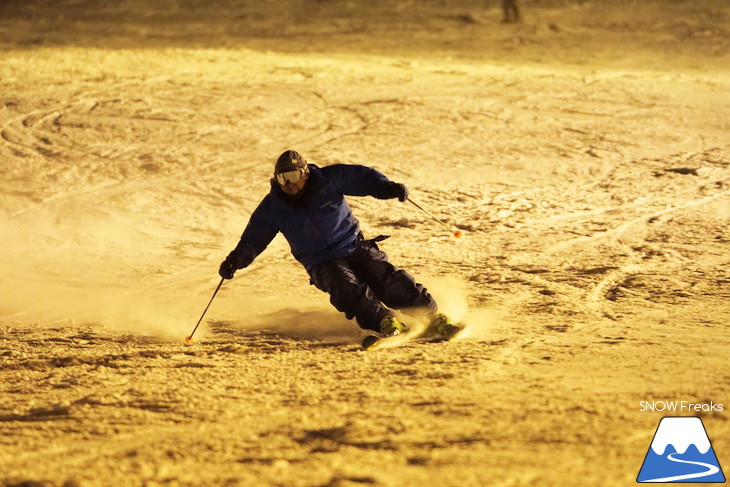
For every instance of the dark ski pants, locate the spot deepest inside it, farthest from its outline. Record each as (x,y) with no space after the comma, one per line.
(367,287)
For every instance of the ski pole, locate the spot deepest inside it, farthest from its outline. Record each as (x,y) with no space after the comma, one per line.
(189,338)
(455,233)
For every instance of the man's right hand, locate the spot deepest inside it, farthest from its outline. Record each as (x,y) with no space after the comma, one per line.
(227,269)
(235,260)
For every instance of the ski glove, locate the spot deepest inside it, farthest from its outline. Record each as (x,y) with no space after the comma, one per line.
(232,263)
(399,191)
(227,269)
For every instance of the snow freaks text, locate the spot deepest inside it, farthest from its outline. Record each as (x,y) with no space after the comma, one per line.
(680,406)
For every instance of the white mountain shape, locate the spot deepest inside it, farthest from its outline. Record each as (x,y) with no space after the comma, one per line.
(680,433)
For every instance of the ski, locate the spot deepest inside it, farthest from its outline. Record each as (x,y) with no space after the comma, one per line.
(374,341)
(452,332)
(370,341)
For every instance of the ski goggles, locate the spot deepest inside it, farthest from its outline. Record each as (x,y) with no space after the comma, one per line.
(289,176)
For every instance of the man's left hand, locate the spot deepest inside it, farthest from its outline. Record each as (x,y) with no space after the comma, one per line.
(399,191)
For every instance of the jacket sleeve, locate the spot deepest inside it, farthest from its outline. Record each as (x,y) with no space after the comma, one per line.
(356,180)
(258,234)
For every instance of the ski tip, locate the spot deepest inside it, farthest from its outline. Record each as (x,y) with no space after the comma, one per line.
(453,332)
(369,342)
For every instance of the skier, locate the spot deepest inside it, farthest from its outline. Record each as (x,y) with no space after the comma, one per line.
(511,12)
(307,205)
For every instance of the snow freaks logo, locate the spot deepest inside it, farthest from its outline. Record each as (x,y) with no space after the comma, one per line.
(681,452)
(680,407)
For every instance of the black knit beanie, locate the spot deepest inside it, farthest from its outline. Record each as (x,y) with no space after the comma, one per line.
(289,161)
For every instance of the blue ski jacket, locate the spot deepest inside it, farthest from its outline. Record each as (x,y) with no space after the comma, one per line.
(318,223)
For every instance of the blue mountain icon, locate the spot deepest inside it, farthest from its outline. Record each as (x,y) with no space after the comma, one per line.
(681,452)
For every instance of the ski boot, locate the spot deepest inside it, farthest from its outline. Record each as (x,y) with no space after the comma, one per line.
(389,327)
(442,327)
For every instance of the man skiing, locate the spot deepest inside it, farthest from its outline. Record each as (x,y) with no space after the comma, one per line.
(511,12)
(307,205)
